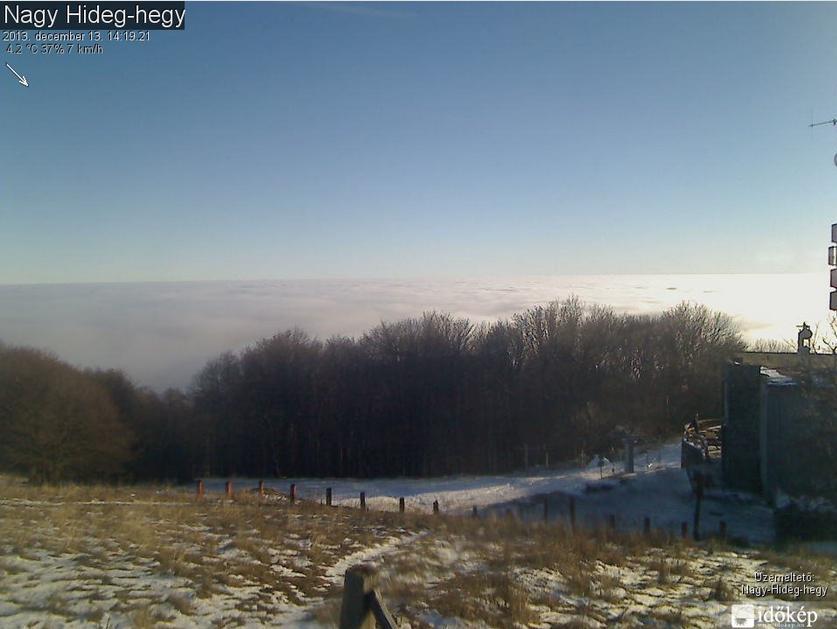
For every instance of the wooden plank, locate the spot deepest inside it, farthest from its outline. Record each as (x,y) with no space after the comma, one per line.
(380,611)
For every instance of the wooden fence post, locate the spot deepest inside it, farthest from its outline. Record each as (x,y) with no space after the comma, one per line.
(200,490)
(228,489)
(401,505)
(261,489)
(363,501)
(328,496)
(698,499)
(363,607)
(292,493)
(358,585)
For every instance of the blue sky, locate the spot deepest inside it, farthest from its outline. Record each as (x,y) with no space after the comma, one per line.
(402,140)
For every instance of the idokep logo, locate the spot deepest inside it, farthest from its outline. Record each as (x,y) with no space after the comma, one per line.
(748,615)
(743,615)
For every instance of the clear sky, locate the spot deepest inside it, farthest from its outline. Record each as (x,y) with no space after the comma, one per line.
(400,140)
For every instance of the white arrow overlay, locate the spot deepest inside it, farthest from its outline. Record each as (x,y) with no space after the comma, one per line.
(20,79)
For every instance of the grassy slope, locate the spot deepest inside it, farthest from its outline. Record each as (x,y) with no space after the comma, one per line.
(139,556)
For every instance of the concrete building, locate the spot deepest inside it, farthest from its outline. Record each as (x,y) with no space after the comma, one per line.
(771,437)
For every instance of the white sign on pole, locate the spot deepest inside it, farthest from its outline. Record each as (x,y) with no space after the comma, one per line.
(832,260)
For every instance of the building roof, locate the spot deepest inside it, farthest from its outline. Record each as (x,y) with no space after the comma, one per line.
(776,378)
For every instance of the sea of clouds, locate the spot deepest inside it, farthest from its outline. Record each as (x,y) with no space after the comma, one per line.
(161,334)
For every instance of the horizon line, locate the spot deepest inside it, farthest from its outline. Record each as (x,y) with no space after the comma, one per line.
(414,278)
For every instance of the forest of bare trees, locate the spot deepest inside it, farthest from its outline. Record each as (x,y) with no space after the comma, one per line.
(437,394)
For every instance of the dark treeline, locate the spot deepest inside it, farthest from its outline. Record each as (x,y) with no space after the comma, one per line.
(432,395)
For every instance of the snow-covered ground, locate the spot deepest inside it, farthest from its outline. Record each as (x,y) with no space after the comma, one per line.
(658,489)
(458,494)
(124,558)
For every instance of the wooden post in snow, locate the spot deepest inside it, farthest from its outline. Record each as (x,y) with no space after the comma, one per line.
(200,490)
(328,496)
(358,585)
(363,501)
(436,507)
(292,493)
(629,455)
(228,489)
(401,505)
(363,606)
(698,500)
(261,489)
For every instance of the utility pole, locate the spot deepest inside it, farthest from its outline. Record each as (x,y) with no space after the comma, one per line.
(832,250)
(832,261)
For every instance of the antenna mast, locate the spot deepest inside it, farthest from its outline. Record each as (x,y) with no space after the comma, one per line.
(832,122)
(832,254)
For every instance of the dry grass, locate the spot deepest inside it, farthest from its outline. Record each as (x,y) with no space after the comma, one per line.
(488,597)
(669,570)
(182,603)
(796,558)
(265,554)
(720,590)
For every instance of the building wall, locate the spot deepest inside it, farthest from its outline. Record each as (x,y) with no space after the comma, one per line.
(741,428)
(782,462)
(770,433)
(789,462)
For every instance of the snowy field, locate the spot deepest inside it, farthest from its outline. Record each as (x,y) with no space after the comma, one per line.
(658,489)
(459,494)
(146,557)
